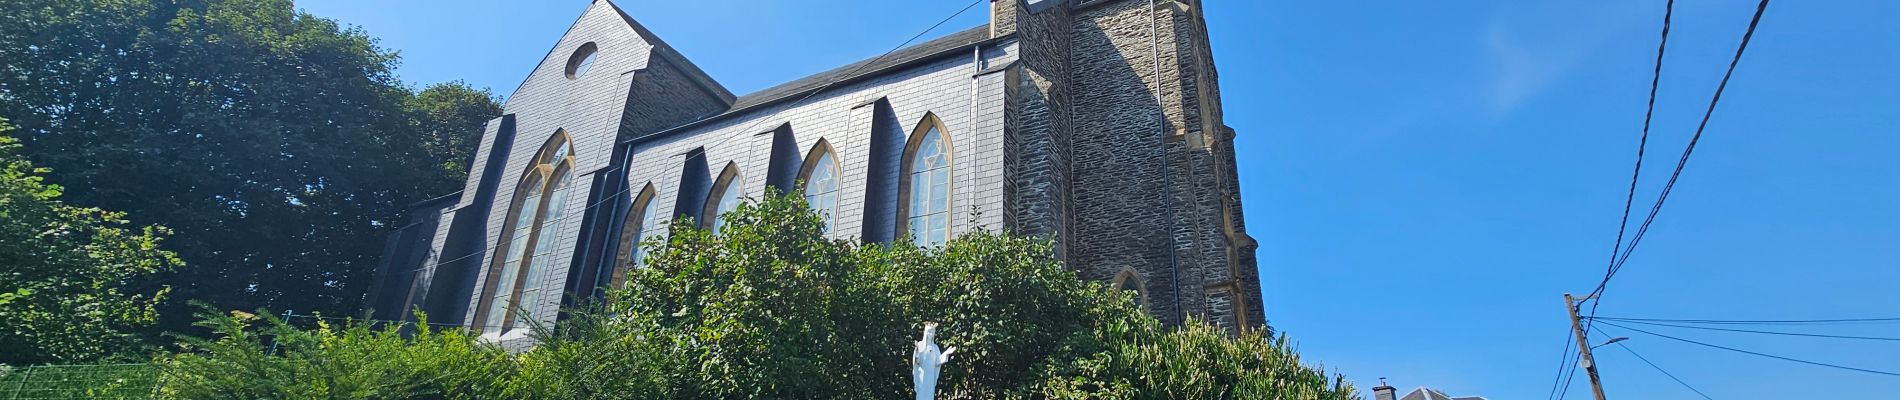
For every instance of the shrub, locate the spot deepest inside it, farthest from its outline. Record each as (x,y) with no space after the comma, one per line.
(769,308)
(263,357)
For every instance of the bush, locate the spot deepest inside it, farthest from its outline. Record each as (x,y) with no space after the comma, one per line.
(265,358)
(1197,361)
(769,308)
(76,284)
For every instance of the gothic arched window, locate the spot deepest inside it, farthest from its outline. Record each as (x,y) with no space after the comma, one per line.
(821,184)
(927,184)
(727,193)
(532,228)
(643,222)
(1130,281)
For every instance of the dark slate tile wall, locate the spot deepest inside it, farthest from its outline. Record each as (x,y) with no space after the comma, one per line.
(953,88)
(590,109)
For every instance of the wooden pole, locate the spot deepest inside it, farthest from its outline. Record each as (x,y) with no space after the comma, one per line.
(1583,346)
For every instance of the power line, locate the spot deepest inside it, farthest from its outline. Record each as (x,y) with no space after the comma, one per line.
(1658,367)
(1572,361)
(1663,371)
(1564,363)
(1754,353)
(1764,332)
(1565,393)
(1642,144)
(1681,162)
(1756,322)
(1693,140)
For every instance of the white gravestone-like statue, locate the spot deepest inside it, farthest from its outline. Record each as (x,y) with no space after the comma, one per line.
(927,362)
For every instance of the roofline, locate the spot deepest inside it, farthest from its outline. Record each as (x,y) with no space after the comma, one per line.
(660,47)
(545,57)
(700,77)
(799,95)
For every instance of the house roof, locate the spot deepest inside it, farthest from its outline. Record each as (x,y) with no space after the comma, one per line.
(1425,393)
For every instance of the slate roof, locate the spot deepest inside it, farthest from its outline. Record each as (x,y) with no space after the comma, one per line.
(798,88)
(1425,393)
(906,55)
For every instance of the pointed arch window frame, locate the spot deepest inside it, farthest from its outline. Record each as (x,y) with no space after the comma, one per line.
(822,151)
(1128,279)
(644,220)
(913,145)
(730,178)
(553,164)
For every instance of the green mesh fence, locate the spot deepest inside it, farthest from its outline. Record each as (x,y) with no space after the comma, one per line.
(107,381)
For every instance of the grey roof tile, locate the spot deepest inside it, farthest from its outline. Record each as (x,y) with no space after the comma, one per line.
(850,72)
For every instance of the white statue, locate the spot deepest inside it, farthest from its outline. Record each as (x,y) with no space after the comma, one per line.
(927,362)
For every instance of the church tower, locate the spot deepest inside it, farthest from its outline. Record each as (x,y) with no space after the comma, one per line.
(1119,153)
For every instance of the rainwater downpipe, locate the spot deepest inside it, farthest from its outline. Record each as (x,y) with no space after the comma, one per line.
(1167,172)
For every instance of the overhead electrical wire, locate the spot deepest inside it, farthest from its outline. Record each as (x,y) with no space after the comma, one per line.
(1564,363)
(1642,145)
(1688,150)
(1815,363)
(1681,162)
(1761,332)
(1758,322)
(1658,368)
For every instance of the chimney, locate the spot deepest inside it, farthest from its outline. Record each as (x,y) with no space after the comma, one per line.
(1384,392)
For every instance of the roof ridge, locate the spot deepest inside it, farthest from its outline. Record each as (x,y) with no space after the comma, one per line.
(901,57)
(662,48)
(846,68)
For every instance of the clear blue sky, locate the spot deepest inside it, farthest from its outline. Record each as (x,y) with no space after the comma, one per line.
(1426,178)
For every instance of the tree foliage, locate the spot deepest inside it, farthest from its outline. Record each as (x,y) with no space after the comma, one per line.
(446,117)
(278,145)
(77,282)
(768,307)
(264,357)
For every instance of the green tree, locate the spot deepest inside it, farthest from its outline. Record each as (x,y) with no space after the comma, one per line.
(278,145)
(77,281)
(448,117)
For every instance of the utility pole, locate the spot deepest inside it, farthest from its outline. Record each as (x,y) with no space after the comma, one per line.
(1583,346)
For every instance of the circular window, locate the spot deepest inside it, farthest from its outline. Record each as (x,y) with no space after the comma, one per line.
(582,60)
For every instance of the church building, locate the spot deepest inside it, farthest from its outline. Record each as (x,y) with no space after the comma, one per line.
(1095,123)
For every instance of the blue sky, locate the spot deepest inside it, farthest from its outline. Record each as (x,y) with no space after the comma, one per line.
(1426,178)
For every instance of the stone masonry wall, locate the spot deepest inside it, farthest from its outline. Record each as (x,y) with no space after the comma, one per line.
(958,91)
(1038,119)
(1154,190)
(1122,213)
